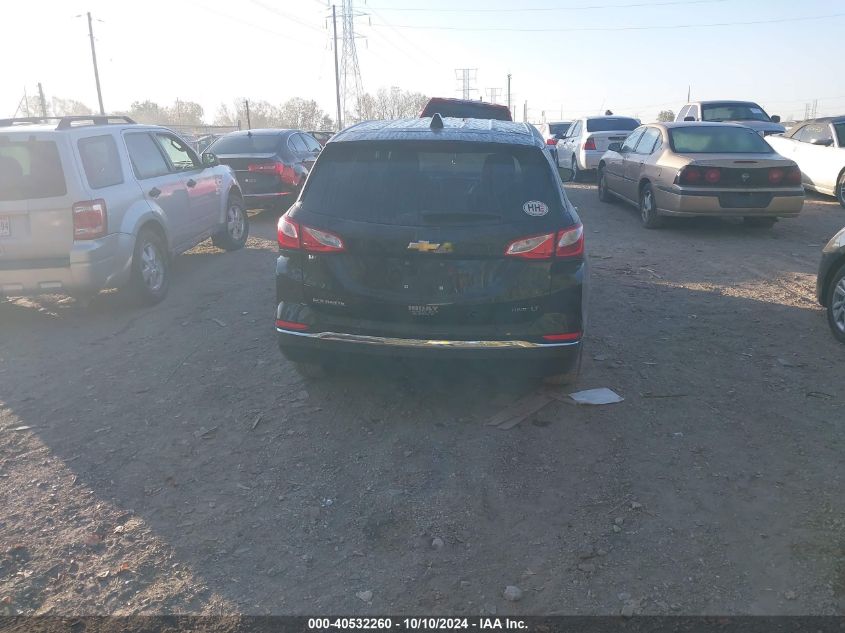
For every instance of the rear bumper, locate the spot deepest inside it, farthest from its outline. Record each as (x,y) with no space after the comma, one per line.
(90,266)
(589,159)
(675,201)
(267,199)
(552,357)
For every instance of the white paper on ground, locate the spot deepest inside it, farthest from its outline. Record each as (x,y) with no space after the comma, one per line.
(596,396)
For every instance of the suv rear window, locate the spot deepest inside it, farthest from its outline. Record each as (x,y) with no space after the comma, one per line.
(247,144)
(558,128)
(423,183)
(612,125)
(30,170)
(733,112)
(100,161)
(717,139)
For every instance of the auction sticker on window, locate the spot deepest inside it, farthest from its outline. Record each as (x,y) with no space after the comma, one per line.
(535,208)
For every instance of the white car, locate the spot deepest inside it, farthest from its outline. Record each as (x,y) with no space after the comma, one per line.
(818,146)
(587,139)
(552,133)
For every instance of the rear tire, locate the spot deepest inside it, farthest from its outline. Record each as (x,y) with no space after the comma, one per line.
(576,173)
(567,378)
(234,233)
(150,272)
(648,209)
(840,190)
(604,194)
(759,223)
(836,305)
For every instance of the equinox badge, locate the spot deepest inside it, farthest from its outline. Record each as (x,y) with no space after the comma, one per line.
(424,246)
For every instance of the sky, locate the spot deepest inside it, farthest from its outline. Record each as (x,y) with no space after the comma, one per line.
(567,58)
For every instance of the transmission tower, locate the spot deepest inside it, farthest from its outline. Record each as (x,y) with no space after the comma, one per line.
(351,88)
(493,94)
(466,76)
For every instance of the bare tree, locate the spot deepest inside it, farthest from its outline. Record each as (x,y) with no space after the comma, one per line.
(68,107)
(390,103)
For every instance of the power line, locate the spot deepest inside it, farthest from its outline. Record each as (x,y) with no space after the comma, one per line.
(248,23)
(576,8)
(287,16)
(615,28)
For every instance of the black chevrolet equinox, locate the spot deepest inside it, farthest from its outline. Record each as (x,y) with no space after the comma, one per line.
(435,237)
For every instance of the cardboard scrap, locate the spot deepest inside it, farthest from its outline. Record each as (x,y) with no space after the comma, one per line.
(596,396)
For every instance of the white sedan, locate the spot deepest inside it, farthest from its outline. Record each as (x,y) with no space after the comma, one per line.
(818,146)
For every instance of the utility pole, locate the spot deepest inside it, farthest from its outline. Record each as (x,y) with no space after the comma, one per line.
(336,71)
(688,93)
(248,122)
(525,112)
(509,91)
(43,101)
(94,59)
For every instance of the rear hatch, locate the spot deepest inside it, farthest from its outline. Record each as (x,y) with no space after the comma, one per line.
(36,221)
(425,227)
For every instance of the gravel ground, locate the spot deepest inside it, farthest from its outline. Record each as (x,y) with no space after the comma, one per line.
(168,460)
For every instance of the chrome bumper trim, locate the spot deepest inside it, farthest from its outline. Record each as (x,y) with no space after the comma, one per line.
(423,343)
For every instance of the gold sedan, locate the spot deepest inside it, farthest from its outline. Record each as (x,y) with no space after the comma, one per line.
(694,168)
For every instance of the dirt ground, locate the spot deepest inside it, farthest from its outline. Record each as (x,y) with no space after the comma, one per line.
(168,459)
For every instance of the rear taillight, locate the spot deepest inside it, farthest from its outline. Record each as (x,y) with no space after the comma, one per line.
(293,236)
(566,243)
(291,325)
(793,176)
(570,242)
(590,144)
(563,336)
(712,175)
(288,233)
(690,175)
(320,241)
(776,175)
(90,219)
(535,247)
(551,141)
(285,173)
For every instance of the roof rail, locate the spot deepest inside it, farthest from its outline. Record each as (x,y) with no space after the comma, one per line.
(96,119)
(67,122)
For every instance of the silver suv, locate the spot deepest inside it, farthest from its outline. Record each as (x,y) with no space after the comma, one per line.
(97,202)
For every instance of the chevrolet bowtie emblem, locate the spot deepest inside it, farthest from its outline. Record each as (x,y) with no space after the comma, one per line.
(424,246)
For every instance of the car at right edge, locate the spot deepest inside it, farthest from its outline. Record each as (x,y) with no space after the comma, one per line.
(830,284)
(818,146)
(700,169)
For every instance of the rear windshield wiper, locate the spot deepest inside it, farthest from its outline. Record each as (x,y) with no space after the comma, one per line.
(436,217)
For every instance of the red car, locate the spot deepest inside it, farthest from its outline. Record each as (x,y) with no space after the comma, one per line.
(466,109)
